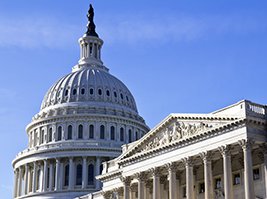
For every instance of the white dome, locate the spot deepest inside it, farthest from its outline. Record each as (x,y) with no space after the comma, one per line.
(91,87)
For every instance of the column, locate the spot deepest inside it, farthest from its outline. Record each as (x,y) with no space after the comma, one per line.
(97,172)
(206,157)
(189,177)
(126,187)
(51,175)
(248,171)
(227,172)
(45,176)
(15,183)
(85,176)
(156,183)
(57,174)
(264,146)
(26,179)
(29,184)
(171,167)
(19,182)
(71,174)
(177,185)
(34,177)
(141,185)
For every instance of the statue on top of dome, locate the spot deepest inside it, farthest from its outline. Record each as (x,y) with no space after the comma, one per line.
(91,25)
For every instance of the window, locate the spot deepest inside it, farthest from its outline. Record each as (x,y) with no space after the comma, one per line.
(42,136)
(39,179)
(136,135)
(107,92)
(115,94)
(48,177)
(59,133)
(184,192)
(50,135)
(201,187)
(121,134)
(69,132)
(66,175)
(102,132)
(121,96)
(66,92)
(74,92)
(112,133)
(101,168)
(127,98)
(82,91)
(80,132)
(256,174)
(91,91)
(79,174)
(236,179)
(91,174)
(99,92)
(91,131)
(218,183)
(130,135)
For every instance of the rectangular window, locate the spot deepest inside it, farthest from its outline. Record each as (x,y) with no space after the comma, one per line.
(236,179)
(256,174)
(201,187)
(218,183)
(184,192)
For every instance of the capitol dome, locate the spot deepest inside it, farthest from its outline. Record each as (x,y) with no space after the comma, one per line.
(85,119)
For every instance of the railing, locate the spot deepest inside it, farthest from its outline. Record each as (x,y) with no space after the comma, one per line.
(256,109)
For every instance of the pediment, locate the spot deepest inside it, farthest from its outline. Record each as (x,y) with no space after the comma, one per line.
(174,129)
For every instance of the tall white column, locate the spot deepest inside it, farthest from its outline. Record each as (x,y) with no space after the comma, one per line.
(15,183)
(141,185)
(156,183)
(51,175)
(172,180)
(227,172)
(34,177)
(71,174)
(85,176)
(45,176)
(26,179)
(206,157)
(97,172)
(20,182)
(248,170)
(57,176)
(126,187)
(189,178)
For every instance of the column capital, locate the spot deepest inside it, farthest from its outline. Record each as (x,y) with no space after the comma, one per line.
(163,179)
(84,157)
(57,160)
(188,162)
(246,144)
(206,156)
(171,167)
(126,180)
(119,190)
(107,194)
(155,171)
(141,176)
(263,147)
(225,150)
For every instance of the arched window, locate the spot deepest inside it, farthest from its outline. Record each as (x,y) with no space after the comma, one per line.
(69,132)
(112,133)
(91,131)
(136,135)
(50,135)
(66,175)
(79,174)
(102,132)
(121,134)
(101,168)
(80,132)
(59,133)
(91,174)
(39,179)
(130,135)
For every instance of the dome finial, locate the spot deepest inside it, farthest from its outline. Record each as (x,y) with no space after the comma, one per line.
(91,25)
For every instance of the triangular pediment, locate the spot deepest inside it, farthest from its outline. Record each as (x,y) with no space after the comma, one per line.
(176,128)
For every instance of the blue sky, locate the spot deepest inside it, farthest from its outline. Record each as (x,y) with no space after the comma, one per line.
(174,55)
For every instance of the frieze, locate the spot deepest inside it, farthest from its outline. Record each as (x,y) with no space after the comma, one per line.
(175,132)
